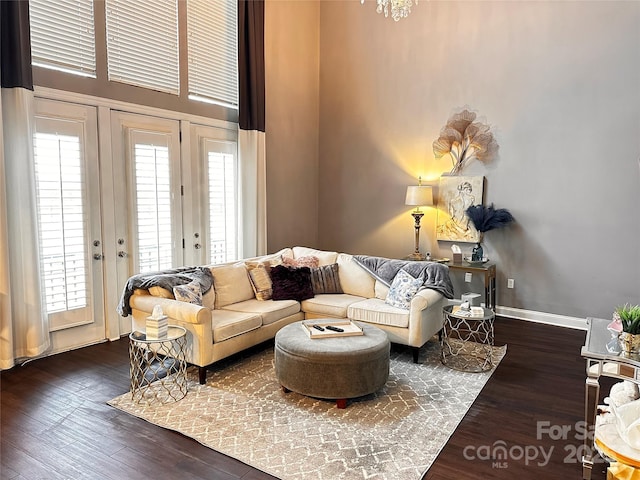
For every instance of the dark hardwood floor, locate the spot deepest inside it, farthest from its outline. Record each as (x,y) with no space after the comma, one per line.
(56,425)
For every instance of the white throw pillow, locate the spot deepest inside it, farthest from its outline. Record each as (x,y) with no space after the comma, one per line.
(402,290)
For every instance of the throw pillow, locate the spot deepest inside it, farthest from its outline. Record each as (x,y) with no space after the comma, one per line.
(190,293)
(402,290)
(325,279)
(260,280)
(291,283)
(307,261)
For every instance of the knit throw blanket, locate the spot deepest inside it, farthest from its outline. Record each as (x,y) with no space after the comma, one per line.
(165,279)
(435,275)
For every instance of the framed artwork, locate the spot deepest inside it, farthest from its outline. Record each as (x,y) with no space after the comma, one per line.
(455,195)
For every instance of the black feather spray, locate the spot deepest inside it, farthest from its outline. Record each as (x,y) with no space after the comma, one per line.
(488,218)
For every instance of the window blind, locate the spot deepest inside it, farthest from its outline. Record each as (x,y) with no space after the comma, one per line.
(142,43)
(212,28)
(62,35)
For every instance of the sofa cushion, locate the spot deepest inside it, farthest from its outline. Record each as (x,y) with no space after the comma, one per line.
(232,284)
(326,279)
(374,310)
(381,290)
(330,304)
(190,293)
(270,311)
(402,290)
(273,258)
(291,283)
(354,279)
(227,323)
(324,258)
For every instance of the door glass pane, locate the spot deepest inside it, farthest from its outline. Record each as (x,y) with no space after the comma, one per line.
(223,225)
(153,207)
(62,220)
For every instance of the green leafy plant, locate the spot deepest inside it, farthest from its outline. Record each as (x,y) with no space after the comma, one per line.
(630,318)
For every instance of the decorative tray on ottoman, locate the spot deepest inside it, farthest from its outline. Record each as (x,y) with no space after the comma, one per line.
(348,328)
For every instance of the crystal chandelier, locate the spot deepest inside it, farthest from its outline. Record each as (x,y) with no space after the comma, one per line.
(399,8)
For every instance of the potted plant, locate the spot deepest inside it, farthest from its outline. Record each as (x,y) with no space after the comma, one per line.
(630,319)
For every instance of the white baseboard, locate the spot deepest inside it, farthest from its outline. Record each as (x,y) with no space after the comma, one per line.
(542,317)
(538,317)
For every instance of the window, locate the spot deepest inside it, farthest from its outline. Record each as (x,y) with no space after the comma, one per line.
(153,207)
(213,51)
(62,35)
(62,220)
(142,43)
(222,190)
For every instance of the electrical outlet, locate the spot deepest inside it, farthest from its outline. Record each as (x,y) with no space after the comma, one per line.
(509,282)
(467,277)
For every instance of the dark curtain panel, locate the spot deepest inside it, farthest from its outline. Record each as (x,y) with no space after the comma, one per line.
(15,44)
(251,64)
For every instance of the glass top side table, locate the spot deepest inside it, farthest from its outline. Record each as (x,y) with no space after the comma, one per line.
(604,358)
(158,367)
(467,341)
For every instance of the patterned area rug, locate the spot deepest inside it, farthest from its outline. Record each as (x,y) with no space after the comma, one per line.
(394,434)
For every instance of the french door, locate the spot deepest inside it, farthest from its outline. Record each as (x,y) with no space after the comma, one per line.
(214,193)
(69,214)
(146,152)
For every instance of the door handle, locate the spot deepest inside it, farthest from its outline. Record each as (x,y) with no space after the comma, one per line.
(98,256)
(197,246)
(122,254)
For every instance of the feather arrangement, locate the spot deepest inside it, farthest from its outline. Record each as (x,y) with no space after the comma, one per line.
(488,218)
(465,139)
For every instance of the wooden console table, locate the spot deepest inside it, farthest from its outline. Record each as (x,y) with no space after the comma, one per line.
(488,270)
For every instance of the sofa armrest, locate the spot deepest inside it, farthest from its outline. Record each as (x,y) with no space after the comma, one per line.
(196,319)
(425,316)
(174,309)
(423,299)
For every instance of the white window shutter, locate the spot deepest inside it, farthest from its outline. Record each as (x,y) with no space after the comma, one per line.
(212,28)
(62,35)
(62,220)
(142,43)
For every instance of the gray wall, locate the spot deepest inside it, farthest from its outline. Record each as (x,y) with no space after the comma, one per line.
(292,61)
(559,82)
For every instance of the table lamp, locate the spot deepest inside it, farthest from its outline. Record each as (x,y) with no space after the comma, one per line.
(418,196)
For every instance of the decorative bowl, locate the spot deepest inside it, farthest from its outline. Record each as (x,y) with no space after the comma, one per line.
(476,262)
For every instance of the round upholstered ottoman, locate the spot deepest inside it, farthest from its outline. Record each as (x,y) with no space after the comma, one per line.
(332,368)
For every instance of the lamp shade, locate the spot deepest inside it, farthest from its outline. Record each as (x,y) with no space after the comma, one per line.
(419,195)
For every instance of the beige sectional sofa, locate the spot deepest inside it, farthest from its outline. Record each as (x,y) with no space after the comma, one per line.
(232,319)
